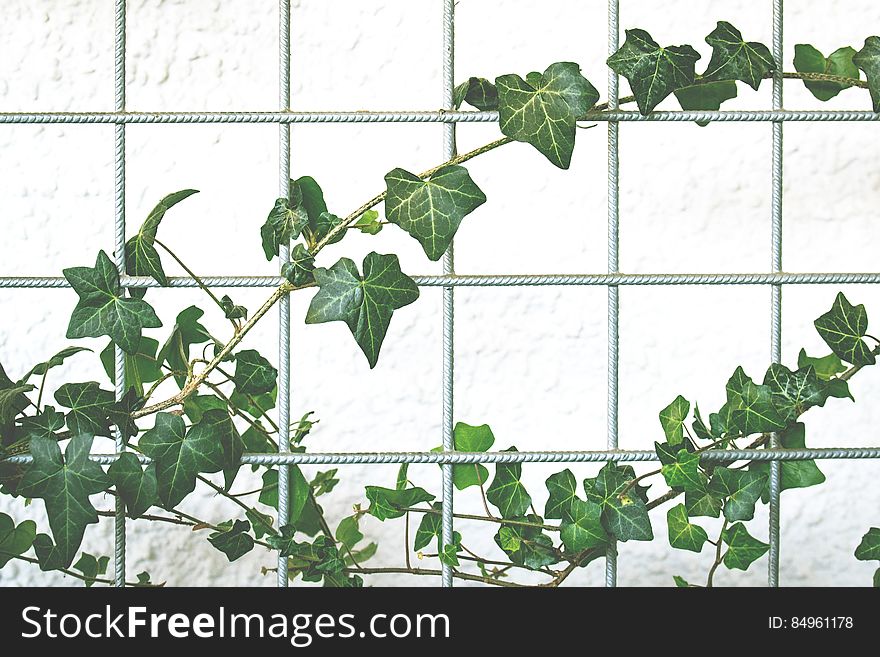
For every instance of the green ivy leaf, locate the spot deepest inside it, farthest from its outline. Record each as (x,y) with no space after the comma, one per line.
(88,405)
(56,361)
(365,303)
(91,567)
(706,96)
(468,438)
(672,419)
(141,257)
(13,402)
(701,430)
(751,406)
(684,473)
(388,503)
(234,541)
(140,367)
(102,309)
(507,492)
(187,331)
(543,111)
(477,92)
(179,456)
(402,478)
(217,426)
(449,554)
(793,474)
(740,490)
(526,546)
(285,222)
(431,210)
(680,582)
(15,540)
(682,534)
(868,59)
(368,223)
(231,310)
(807,59)
(325,482)
(321,222)
(793,393)
(843,328)
(48,554)
(743,549)
(44,424)
(134,484)
(299,271)
(262,524)
(869,548)
(65,484)
(348,532)
(826,367)
(582,527)
(562,488)
(735,59)
(625,515)
(429,528)
(254,375)
(701,502)
(653,72)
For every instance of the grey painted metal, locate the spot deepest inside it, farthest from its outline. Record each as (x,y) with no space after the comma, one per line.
(595,456)
(446,523)
(613,262)
(776,290)
(426,116)
(500,280)
(119,257)
(284,303)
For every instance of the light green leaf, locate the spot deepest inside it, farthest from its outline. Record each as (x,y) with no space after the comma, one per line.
(234,541)
(102,309)
(735,59)
(826,367)
(468,438)
(582,527)
(701,502)
(134,484)
(388,503)
(682,534)
(743,549)
(478,92)
(365,303)
(15,540)
(65,485)
(507,492)
(562,487)
(431,210)
(684,473)
(544,111)
(254,375)
(680,582)
(807,59)
(701,430)
(140,368)
(706,96)
(179,457)
(368,223)
(869,548)
(868,59)
(653,72)
(672,419)
(402,479)
(151,223)
(91,567)
(843,328)
(740,490)
(88,406)
(324,482)
(348,532)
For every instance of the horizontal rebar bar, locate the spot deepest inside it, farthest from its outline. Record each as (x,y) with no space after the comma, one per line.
(342,458)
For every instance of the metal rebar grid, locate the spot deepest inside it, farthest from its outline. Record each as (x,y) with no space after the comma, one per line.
(775,278)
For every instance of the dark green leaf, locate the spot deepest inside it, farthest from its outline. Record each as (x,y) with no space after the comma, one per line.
(582,527)
(428,529)
(793,393)
(140,368)
(15,540)
(402,479)
(735,59)
(217,426)
(672,419)
(91,567)
(468,438)
(431,210)
(187,331)
(231,310)
(625,514)
(254,375)
(195,406)
(808,59)
(793,474)
(682,534)
(653,72)
(526,546)
(13,402)
(868,59)
(88,406)
(261,523)
(843,328)
(48,554)
(684,473)
(320,221)
(751,406)
(543,111)
(869,548)
(562,488)
(743,549)
(151,223)
(699,426)
(706,96)
(102,309)
(285,222)
(701,502)
(56,361)
(365,303)
(299,270)
(507,492)
(234,541)
(180,456)
(388,503)
(325,482)
(478,92)
(826,367)
(740,490)
(65,485)
(45,424)
(135,485)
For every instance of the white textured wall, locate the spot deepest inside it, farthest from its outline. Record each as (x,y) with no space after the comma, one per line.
(530,362)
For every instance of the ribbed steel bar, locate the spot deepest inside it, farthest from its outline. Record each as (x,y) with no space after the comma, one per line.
(119,256)
(500,280)
(427,116)
(284,303)
(613,261)
(448,295)
(597,456)
(776,290)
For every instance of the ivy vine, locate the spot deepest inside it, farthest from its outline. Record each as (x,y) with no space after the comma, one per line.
(224,395)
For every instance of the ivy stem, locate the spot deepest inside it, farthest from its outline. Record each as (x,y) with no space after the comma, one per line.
(83,578)
(194,276)
(434,573)
(719,546)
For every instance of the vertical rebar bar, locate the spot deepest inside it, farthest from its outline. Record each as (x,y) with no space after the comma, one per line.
(119,256)
(448,292)
(613,260)
(776,290)
(284,303)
